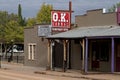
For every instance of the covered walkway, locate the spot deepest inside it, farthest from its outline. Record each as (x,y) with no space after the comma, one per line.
(84,35)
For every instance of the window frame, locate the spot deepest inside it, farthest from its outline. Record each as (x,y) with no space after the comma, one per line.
(31,51)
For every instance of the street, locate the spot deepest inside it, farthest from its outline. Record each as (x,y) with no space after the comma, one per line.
(15,75)
(11,71)
(8,75)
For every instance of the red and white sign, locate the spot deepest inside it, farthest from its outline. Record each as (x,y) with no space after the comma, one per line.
(118,15)
(60,19)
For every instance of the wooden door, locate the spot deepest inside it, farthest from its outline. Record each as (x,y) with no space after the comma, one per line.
(58,55)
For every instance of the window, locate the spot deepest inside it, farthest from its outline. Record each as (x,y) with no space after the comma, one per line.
(31,51)
(104,56)
(100,51)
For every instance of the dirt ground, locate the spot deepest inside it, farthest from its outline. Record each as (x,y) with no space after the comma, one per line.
(11,71)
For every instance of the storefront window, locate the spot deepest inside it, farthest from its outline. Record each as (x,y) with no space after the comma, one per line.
(104,55)
(100,51)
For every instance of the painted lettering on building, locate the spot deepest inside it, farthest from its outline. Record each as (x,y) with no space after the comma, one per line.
(60,19)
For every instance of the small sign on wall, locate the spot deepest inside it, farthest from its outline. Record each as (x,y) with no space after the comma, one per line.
(44,31)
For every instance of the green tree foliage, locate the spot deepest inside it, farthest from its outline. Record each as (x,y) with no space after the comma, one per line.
(31,22)
(13,32)
(21,20)
(19,11)
(4,18)
(10,28)
(114,7)
(3,21)
(44,14)
(12,25)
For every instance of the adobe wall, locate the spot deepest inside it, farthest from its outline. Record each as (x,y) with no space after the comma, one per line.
(31,36)
(96,18)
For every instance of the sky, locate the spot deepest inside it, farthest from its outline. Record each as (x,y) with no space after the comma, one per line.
(31,7)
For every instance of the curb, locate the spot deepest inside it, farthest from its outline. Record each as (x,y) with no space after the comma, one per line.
(51,73)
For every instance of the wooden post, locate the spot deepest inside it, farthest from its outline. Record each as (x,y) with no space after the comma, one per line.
(86,55)
(83,53)
(68,55)
(112,55)
(53,55)
(65,55)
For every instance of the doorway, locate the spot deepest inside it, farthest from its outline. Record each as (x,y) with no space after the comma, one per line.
(58,55)
(95,56)
(100,55)
(118,58)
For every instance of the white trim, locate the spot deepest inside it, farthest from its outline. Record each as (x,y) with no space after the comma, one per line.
(31,51)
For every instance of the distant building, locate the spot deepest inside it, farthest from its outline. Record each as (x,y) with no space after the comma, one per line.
(35,47)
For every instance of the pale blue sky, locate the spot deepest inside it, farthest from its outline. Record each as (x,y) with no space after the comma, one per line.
(31,7)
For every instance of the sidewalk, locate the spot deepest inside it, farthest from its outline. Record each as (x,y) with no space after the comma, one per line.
(69,73)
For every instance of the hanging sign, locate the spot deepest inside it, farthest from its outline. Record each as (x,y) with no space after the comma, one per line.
(118,15)
(60,20)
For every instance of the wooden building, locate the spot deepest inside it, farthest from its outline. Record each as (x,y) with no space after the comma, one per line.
(93,46)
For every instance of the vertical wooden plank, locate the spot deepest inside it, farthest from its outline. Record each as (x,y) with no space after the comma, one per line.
(52,55)
(83,53)
(68,55)
(86,55)
(65,55)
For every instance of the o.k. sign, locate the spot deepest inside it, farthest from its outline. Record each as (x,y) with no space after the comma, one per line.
(60,20)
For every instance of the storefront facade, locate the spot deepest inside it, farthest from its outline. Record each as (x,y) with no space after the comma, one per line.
(35,47)
(93,45)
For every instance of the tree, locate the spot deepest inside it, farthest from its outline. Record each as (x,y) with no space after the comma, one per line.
(31,22)
(3,21)
(3,17)
(114,7)
(44,14)
(10,28)
(13,32)
(21,20)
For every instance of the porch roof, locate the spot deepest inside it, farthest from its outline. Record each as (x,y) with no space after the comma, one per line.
(82,32)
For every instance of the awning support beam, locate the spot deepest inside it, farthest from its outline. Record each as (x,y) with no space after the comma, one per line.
(112,55)
(83,52)
(65,55)
(86,55)
(48,55)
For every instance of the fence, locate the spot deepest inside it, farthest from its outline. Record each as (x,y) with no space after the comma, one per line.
(15,57)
